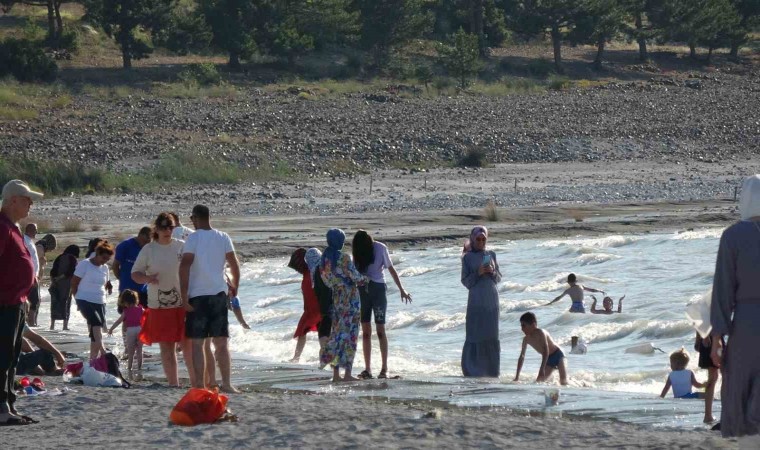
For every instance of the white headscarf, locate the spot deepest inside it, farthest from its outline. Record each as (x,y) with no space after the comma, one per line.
(749,201)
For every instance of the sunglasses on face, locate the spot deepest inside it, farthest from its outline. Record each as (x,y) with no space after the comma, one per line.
(166,227)
(480,239)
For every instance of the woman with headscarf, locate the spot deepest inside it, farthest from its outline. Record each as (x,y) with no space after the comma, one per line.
(339,274)
(311,315)
(323,293)
(60,285)
(735,312)
(480,274)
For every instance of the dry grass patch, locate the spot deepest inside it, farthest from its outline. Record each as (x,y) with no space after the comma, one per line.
(577,214)
(72,225)
(490,212)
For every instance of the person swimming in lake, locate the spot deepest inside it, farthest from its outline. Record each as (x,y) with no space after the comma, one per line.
(607,304)
(552,356)
(575,291)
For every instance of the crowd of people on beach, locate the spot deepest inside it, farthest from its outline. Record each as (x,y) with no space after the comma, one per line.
(176,286)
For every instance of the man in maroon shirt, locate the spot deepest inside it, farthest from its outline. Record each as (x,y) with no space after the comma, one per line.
(16,279)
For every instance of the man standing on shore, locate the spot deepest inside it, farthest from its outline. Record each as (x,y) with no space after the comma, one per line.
(16,279)
(30,232)
(205,293)
(126,255)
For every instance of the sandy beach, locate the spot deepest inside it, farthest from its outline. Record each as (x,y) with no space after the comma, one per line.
(138,418)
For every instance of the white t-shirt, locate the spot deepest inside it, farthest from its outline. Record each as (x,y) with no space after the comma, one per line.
(33,252)
(210,248)
(680,380)
(92,288)
(161,260)
(181,232)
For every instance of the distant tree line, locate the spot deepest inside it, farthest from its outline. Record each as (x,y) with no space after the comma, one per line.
(292,28)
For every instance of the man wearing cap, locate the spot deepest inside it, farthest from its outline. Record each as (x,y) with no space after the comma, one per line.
(16,279)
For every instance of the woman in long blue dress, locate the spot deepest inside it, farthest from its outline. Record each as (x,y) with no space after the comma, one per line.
(480,274)
(340,275)
(735,313)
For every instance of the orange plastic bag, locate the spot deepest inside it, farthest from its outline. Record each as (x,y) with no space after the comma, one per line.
(199,406)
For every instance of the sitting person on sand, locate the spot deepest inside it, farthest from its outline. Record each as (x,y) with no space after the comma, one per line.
(46,360)
(552,356)
(680,378)
(575,291)
(607,304)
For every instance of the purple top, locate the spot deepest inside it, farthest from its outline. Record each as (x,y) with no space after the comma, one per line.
(382,261)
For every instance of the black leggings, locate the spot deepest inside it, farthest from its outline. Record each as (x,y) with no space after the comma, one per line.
(11,331)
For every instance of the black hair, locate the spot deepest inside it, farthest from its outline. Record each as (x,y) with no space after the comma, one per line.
(528,318)
(92,244)
(145,231)
(363,249)
(201,212)
(571,278)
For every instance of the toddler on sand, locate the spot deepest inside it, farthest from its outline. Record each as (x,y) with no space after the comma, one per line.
(132,312)
(680,378)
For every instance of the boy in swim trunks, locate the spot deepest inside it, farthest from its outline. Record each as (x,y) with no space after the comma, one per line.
(552,356)
(575,291)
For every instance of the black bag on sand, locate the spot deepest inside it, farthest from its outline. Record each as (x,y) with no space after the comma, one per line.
(113,369)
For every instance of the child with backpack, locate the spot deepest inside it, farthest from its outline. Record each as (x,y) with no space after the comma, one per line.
(132,312)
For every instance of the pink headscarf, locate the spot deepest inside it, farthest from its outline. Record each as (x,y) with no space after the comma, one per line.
(470,243)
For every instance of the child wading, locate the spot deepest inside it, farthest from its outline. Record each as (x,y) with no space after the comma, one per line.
(552,356)
(131,316)
(681,379)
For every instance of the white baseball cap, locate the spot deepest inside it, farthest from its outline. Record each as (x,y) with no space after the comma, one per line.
(17,188)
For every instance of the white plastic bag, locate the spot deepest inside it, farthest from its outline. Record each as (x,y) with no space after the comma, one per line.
(91,377)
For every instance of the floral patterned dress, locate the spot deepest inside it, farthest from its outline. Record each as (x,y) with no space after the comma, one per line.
(343,280)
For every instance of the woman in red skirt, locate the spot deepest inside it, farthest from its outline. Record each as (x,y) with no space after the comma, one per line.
(157,265)
(312,315)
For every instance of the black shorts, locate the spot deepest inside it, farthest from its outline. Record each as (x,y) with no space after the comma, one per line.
(93,313)
(34,296)
(208,318)
(373,301)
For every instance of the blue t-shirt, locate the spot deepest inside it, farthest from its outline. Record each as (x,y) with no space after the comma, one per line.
(126,254)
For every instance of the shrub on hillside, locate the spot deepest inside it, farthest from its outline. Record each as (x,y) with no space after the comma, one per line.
(26,61)
(473,157)
(204,74)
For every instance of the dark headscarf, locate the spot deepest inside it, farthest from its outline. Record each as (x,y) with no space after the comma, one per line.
(297,261)
(72,253)
(335,240)
(72,250)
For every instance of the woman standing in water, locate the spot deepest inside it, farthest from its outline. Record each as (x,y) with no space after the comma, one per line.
(311,315)
(60,285)
(735,313)
(89,287)
(339,274)
(370,258)
(480,274)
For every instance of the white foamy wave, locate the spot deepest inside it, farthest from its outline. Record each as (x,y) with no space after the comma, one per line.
(511,286)
(712,233)
(252,271)
(414,271)
(547,286)
(520,306)
(273,315)
(604,242)
(282,281)
(424,319)
(595,258)
(582,250)
(457,320)
(650,329)
(268,301)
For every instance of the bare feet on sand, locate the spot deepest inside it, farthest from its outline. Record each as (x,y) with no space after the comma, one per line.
(229,389)
(709,419)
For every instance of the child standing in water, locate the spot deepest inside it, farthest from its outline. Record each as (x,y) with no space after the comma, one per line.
(575,291)
(552,356)
(132,312)
(680,378)
(704,346)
